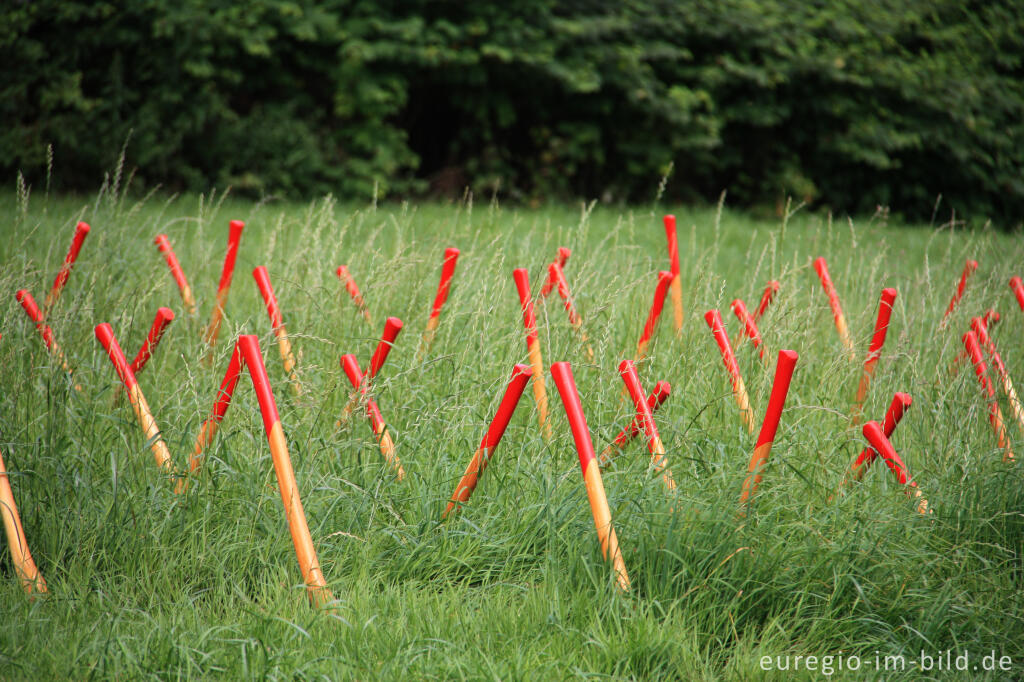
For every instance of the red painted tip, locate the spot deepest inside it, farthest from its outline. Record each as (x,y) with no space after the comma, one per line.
(561,372)
(522,279)
(873,433)
(82,228)
(882,323)
(235,228)
(249,345)
(342,272)
(517,383)
(351,367)
(164,316)
(784,367)
(664,280)
(227,386)
(739,308)
(105,335)
(820,265)
(970,340)
(900,404)
(29,304)
(262,278)
(673,244)
(969,267)
(234,235)
(392,326)
(1018,290)
(714,320)
(451,256)
(563,256)
(662,390)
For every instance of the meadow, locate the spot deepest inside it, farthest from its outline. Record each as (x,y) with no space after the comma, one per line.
(147,583)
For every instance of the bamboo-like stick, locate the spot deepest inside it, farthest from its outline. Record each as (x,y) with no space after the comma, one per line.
(784,367)
(540,394)
(284,344)
(821,267)
(235,228)
(24,565)
(739,390)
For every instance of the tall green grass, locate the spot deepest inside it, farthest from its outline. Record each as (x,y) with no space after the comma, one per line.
(144,583)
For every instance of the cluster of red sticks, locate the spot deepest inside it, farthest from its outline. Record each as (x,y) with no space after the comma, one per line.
(247,350)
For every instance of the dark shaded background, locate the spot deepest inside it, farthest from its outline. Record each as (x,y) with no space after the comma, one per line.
(849,105)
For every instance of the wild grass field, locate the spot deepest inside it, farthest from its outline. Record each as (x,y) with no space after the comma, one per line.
(144,583)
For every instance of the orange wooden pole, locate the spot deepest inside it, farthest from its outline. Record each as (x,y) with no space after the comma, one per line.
(31,579)
(353,291)
(451,257)
(387,446)
(874,351)
(821,267)
(284,344)
(676,287)
(739,390)
(105,335)
(540,394)
(562,374)
(316,587)
(762,450)
(81,232)
(627,370)
(164,245)
(481,458)
(213,329)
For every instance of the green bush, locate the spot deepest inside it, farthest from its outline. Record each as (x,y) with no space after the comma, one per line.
(850,105)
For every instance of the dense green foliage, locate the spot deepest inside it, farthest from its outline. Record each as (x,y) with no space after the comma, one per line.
(850,104)
(147,584)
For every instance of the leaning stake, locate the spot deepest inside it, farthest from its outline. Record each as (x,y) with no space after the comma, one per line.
(981,330)
(899,405)
(284,344)
(673,257)
(353,291)
(739,308)
(821,267)
(627,370)
(387,446)
(164,316)
(34,314)
(31,579)
(105,335)
(540,394)
(562,374)
(660,394)
(969,267)
(784,367)
(220,408)
(1017,286)
(234,235)
(739,390)
(664,280)
(555,273)
(995,415)
(316,587)
(451,256)
(874,435)
(177,273)
(874,351)
(767,297)
(81,232)
(481,458)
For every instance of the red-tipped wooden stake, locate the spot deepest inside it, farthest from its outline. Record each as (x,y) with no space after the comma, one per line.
(643,412)
(739,390)
(784,367)
(353,291)
(995,415)
(1017,286)
(676,286)
(105,335)
(878,440)
(451,256)
(31,579)
(766,298)
(899,405)
(482,457)
(739,308)
(34,314)
(234,235)
(81,232)
(981,330)
(220,408)
(990,318)
(284,344)
(540,394)
(969,267)
(387,446)
(560,259)
(664,281)
(392,326)
(555,273)
(821,267)
(562,374)
(874,351)
(164,316)
(316,587)
(660,394)
(177,273)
